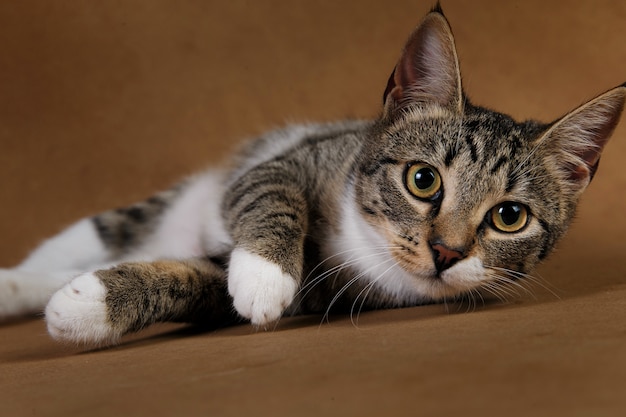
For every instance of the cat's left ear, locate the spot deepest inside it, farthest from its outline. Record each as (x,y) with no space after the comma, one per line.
(428,70)
(578,138)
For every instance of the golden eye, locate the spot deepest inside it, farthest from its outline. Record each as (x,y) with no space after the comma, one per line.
(508,217)
(422,180)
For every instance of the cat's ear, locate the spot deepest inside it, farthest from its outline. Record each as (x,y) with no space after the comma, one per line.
(578,138)
(428,70)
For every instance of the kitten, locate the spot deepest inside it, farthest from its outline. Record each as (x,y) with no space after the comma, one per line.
(435,199)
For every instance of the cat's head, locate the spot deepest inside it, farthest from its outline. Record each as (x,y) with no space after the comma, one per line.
(463,195)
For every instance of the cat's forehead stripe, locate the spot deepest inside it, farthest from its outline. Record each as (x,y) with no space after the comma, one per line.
(370,169)
(498,165)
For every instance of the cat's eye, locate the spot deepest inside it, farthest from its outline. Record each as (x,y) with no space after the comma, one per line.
(508,217)
(422,180)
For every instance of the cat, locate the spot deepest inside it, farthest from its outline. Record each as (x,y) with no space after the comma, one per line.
(435,199)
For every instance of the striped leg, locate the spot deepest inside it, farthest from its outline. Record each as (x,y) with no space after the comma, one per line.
(100,307)
(266,213)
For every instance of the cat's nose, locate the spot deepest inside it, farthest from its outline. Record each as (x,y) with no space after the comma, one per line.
(444,257)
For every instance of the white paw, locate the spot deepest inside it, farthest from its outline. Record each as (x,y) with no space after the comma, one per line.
(260,289)
(77,312)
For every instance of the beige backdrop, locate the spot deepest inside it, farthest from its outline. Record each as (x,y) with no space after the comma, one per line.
(103,102)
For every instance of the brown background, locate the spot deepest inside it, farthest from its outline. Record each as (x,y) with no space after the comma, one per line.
(103,102)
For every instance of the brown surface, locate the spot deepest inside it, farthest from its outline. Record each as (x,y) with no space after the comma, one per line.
(103,102)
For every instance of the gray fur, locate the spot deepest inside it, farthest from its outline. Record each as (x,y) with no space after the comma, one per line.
(125,228)
(286,193)
(140,294)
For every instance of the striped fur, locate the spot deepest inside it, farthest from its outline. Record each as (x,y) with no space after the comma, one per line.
(318,217)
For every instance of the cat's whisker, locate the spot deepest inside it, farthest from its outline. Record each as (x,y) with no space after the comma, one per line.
(445,305)
(495,290)
(464,300)
(474,303)
(310,285)
(382,251)
(470,301)
(543,283)
(369,288)
(511,287)
(527,278)
(335,255)
(475,295)
(512,277)
(347,285)
(366,290)
(504,291)
(504,286)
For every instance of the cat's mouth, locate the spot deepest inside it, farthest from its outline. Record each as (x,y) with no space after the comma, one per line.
(463,276)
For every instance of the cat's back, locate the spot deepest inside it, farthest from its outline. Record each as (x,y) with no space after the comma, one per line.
(311,144)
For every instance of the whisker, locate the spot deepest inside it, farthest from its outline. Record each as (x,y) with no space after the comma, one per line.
(346,286)
(474,295)
(358,249)
(539,281)
(511,287)
(367,290)
(308,287)
(495,291)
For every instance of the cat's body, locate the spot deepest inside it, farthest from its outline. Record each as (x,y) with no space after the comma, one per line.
(436,199)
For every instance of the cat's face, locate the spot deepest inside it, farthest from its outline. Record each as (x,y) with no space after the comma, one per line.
(462,202)
(462,197)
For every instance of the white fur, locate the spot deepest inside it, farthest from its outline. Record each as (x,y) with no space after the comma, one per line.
(192,226)
(466,274)
(27,288)
(260,289)
(78,313)
(359,240)
(23,293)
(76,247)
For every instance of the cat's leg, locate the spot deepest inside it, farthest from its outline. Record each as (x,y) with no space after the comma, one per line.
(266,214)
(91,243)
(178,223)
(99,307)
(26,288)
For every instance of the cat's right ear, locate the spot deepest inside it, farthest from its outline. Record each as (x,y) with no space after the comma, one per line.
(428,70)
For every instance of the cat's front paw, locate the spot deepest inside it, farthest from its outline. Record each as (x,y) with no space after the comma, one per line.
(78,312)
(260,289)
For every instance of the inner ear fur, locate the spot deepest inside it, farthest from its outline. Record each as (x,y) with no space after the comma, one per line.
(428,69)
(579,137)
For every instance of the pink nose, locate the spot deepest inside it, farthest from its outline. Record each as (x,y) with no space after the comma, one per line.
(444,257)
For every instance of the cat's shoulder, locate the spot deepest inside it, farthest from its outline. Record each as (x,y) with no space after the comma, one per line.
(277,142)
